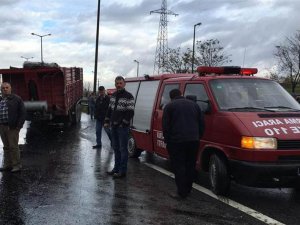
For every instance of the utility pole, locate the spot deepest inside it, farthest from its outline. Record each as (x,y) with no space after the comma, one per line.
(96,50)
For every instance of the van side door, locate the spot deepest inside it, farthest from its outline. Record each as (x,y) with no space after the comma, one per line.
(198,90)
(163,100)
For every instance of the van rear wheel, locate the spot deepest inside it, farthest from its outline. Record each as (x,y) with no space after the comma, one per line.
(132,150)
(218,175)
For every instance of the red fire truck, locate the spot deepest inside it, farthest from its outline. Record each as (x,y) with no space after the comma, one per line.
(252,133)
(50,93)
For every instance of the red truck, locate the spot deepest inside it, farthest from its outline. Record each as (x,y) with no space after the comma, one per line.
(50,93)
(252,125)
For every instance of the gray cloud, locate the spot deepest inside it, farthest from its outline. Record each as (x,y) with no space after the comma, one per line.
(128,31)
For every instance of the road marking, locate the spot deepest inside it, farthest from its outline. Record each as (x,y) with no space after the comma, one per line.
(234,204)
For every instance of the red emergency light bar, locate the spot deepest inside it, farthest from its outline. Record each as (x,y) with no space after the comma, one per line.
(226,70)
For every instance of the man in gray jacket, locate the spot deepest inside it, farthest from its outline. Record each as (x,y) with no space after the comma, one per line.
(12,118)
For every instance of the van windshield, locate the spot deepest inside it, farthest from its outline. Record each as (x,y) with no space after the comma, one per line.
(252,95)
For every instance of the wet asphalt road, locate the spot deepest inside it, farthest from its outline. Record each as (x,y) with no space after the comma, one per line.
(64,181)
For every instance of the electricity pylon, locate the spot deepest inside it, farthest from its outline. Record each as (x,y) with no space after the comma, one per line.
(161,56)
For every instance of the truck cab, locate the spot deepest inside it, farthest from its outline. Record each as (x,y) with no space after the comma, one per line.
(252,125)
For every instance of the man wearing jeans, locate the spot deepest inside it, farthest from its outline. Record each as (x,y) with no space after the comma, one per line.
(119,115)
(101,107)
(12,118)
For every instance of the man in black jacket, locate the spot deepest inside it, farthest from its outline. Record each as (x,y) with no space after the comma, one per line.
(183,126)
(101,107)
(12,118)
(119,115)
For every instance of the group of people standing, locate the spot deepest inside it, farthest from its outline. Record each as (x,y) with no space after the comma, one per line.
(182,123)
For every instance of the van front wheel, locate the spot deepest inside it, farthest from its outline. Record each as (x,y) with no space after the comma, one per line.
(132,150)
(218,175)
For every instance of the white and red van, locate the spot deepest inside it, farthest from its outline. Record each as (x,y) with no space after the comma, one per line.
(252,125)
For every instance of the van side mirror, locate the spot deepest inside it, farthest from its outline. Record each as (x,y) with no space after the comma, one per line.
(191,97)
(208,109)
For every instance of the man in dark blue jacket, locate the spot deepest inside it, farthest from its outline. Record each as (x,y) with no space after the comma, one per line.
(12,118)
(183,126)
(101,106)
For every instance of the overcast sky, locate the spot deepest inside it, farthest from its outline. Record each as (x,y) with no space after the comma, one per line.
(128,32)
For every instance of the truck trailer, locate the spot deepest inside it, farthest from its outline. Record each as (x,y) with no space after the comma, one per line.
(50,93)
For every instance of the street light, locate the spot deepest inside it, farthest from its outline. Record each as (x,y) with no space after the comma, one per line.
(137,67)
(41,36)
(193,54)
(27,58)
(96,47)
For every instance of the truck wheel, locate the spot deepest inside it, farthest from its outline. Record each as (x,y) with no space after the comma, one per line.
(76,114)
(132,150)
(218,175)
(67,120)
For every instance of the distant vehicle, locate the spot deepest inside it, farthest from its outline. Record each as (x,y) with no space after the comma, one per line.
(110,91)
(50,93)
(296,96)
(252,125)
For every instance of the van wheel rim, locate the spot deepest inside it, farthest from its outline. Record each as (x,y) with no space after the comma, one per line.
(213,175)
(131,145)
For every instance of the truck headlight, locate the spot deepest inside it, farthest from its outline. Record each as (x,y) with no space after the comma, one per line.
(258,142)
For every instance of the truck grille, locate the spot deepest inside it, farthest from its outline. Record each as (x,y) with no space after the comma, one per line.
(288,145)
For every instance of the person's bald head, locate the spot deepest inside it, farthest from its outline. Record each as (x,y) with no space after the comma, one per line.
(5,88)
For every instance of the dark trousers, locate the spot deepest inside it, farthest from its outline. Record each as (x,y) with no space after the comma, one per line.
(183,161)
(11,152)
(99,125)
(119,137)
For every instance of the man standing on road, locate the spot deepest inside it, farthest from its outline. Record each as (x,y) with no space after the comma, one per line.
(12,118)
(183,126)
(119,115)
(101,107)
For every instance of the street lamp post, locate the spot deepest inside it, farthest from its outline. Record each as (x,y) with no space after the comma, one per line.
(137,67)
(193,54)
(27,58)
(96,47)
(41,36)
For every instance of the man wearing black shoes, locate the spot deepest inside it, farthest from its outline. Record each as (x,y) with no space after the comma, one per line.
(119,115)
(12,118)
(101,107)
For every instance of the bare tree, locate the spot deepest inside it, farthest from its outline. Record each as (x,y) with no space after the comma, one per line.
(87,87)
(178,62)
(273,76)
(288,56)
(208,53)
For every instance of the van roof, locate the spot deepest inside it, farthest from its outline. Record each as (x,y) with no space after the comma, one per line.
(177,77)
